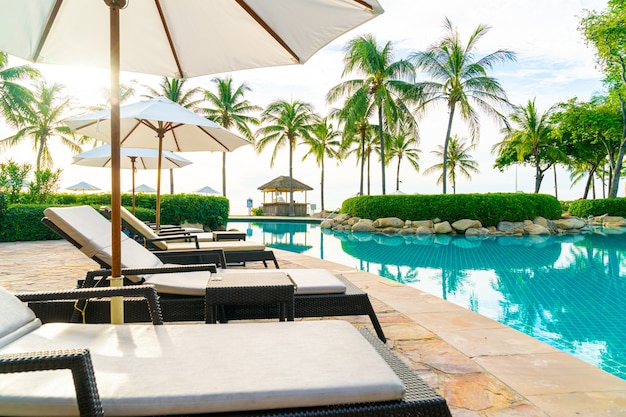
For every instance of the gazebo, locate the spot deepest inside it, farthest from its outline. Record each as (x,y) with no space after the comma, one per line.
(278,190)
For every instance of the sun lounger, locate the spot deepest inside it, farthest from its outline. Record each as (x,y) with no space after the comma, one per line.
(314,368)
(318,292)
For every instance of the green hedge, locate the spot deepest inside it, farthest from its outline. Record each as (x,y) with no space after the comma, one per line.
(610,206)
(22,222)
(488,208)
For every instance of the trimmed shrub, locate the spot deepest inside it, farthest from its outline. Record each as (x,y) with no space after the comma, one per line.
(489,208)
(209,211)
(22,222)
(610,206)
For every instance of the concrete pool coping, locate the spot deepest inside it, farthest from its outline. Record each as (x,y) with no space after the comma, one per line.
(482,368)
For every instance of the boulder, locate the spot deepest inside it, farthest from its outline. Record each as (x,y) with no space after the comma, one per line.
(388,222)
(464,224)
(423,230)
(363,227)
(341,218)
(407,231)
(422,223)
(506,227)
(476,231)
(536,229)
(569,224)
(442,228)
(389,230)
(614,221)
(326,224)
(353,220)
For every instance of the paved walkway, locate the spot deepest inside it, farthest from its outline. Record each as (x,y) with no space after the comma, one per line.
(481,367)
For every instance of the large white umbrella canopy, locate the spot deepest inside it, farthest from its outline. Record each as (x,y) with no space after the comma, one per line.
(162,124)
(180,38)
(131,158)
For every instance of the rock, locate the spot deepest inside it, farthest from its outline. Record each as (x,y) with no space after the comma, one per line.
(326,224)
(569,224)
(341,218)
(506,227)
(353,220)
(407,231)
(389,230)
(442,228)
(614,221)
(464,224)
(476,231)
(423,230)
(339,228)
(363,227)
(422,223)
(536,229)
(389,222)
(541,221)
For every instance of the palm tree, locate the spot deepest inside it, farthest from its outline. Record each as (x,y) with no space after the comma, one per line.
(173,89)
(531,141)
(386,84)
(403,143)
(323,143)
(285,122)
(127,91)
(229,109)
(15,99)
(44,120)
(461,80)
(458,157)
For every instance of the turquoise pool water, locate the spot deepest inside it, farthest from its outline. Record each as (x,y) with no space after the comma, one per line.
(568,291)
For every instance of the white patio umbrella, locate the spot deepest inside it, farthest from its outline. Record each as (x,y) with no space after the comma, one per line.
(131,158)
(82,186)
(161,37)
(162,124)
(143,188)
(206,190)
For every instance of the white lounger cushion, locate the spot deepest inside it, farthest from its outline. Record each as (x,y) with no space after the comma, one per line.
(195,368)
(306,281)
(15,318)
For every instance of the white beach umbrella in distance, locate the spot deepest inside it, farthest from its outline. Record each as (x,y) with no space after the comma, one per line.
(143,188)
(131,158)
(206,190)
(82,186)
(161,37)
(162,124)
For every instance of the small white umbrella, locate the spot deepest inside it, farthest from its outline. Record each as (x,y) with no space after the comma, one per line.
(206,190)
(143,188)
(131,158)
(82,186)
(159,123)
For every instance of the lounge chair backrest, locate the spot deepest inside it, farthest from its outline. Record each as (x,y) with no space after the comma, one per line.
(142,228)
(16,319)
(93,233)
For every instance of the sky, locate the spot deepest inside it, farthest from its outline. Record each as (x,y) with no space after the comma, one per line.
(553,65)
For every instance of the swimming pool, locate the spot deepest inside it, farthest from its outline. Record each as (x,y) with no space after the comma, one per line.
(568,291)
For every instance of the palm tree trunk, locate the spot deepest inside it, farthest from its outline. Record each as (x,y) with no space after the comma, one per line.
(398,175)
(322,183)
(556,188)
(538,177)
(369,163)
(382,144)
(362,162)
(622,150)
(445,146)
(224,174)
(291,208)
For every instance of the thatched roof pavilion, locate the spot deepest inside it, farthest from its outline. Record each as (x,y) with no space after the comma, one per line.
(278,190)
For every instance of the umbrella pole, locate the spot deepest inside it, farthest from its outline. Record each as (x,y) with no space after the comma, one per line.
(158,196)
(117,303)
(132,162)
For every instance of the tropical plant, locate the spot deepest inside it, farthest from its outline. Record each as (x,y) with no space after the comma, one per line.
(323,143)
(15,99)
(46,182)
(43,121)
(13,179)
(386,86)
(458,158)
(605,31)
(461,80)
(403,143)
(284,122)
(230,109)
(174,90)
(530,141)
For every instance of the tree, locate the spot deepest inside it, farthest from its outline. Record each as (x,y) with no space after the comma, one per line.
(458,157)
(323,143)
(403,143)
(15,99)
(285,122)
(173,89)
(530,141)
(385,85)
(461,80)
(606,32)
(43,121)
(230,109)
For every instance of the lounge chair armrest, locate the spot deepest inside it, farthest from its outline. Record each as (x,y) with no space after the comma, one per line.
(188,238)
(147,291)
(76,360)
(193,256)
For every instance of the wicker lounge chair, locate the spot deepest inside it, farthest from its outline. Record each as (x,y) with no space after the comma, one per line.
(237,252)
(327,368)
(318,293)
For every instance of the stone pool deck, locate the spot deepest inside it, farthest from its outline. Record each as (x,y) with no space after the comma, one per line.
(481,367)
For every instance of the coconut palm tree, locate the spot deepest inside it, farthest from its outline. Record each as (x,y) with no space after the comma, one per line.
(324,142)
(386,84)
(529,140)
(173,89)
(283,123)
(230,109)
(43,121)
(15,99)
(458,157)
(403,143)
(460,79)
